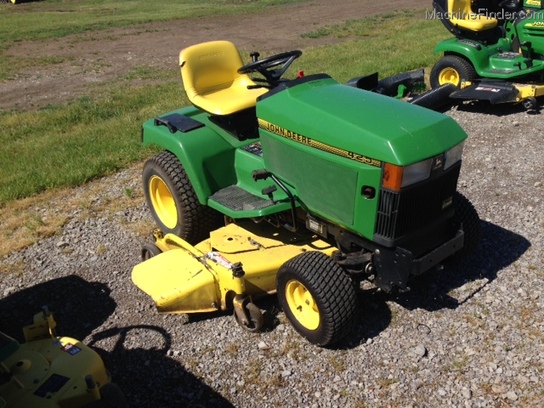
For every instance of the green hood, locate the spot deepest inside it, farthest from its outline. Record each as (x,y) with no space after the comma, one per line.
(361,122)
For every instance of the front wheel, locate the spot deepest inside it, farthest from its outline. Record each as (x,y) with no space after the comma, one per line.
(149,251)
(173,201)
(467,217)
(317,296)
(452,69)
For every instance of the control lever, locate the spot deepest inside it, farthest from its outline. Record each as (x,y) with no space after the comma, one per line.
(269,191)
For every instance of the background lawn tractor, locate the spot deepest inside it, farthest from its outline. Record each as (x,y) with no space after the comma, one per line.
(50,371)
(321,185)
(497,53)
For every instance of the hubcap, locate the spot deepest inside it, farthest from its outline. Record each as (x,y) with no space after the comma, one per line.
(302,304)
(163,202)
(449,76)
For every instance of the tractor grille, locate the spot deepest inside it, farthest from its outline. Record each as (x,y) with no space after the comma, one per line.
(410,210)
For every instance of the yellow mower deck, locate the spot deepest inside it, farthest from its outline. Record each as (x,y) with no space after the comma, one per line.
(234,263)
(49,371)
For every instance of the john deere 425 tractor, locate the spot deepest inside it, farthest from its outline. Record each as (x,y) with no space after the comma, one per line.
(318,185)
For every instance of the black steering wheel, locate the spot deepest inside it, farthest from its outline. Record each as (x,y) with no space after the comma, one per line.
(264,66)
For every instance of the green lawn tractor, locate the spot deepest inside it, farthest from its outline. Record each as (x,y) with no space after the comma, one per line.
(318,185)
(50,371)
(497,54)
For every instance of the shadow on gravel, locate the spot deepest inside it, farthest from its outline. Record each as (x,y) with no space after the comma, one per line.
(78,306)
(149,377)
(498,249)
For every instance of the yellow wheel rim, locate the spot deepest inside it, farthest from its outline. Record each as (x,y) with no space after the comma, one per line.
(302,304)
(163,202)
(449,76)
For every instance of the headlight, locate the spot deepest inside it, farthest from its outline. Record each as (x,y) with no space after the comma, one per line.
(453,155)
(396,177)
(417,172)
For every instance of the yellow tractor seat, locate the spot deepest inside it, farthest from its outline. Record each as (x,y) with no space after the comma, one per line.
(211,81)
(461,15)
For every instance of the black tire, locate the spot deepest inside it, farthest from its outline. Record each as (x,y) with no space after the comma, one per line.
(467,217)
(317,296)
(530,103)
(173,201)
(452,69)
(149,251)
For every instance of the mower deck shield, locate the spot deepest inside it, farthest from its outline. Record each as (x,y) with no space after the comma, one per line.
(177,282)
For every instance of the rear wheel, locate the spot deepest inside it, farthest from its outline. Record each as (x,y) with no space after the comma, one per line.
(317,297)
(452,69)
(173,201)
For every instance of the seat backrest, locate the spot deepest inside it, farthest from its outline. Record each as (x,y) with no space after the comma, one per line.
(461,15)
(210,76)
(209,67)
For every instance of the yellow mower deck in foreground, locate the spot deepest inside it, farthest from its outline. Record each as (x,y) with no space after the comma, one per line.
(50,371)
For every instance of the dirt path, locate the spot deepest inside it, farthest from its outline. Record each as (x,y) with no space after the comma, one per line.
(107,55)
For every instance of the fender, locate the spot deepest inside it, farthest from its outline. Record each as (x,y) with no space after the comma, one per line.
(206,157)
(472,50)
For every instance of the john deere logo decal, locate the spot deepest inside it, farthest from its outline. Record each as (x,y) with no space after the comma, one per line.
(288,134)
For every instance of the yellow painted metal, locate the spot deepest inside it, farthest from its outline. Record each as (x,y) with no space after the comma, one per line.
(461,15)
(529,90)
(449,76)
(302,304)
(163,202)
(524,90)
(188,279)
(49,371)
(178,282)
(211,80)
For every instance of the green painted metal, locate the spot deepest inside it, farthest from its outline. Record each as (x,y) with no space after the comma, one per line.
(355,133)
(326,141)
(490,60)
(473,51)
(535,4)
(205,155)
(361,122)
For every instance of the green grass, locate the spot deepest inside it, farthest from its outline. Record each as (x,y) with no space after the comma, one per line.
(71,144)
(389,43)
(98,134)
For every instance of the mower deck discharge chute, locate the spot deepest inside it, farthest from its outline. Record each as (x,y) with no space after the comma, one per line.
(302,188)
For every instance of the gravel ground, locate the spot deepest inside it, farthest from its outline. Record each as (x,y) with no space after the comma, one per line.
(469,336)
